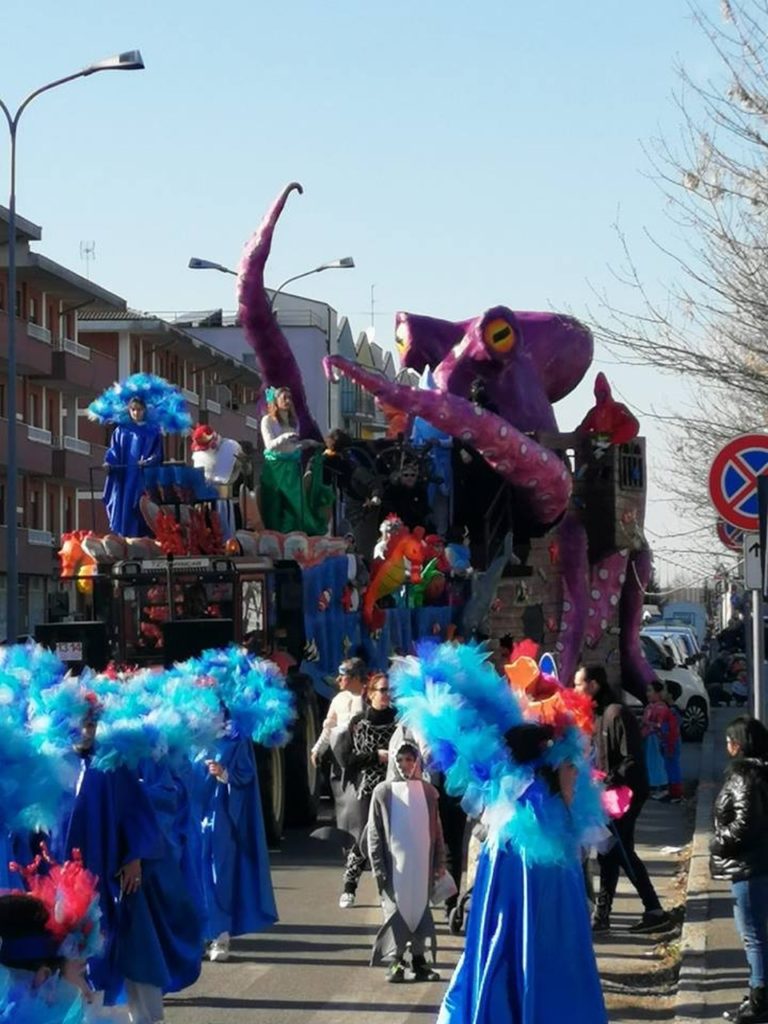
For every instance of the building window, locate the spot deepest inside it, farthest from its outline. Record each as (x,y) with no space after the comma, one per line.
(69,516)
(2,294)
(34,510)
(2,399)
(51,524)
(34,410)
(3,519)
(18,302)
(33,311)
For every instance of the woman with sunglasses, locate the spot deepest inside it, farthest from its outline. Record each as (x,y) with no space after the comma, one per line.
(365,759)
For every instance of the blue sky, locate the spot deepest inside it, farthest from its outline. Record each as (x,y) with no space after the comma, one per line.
(464,155)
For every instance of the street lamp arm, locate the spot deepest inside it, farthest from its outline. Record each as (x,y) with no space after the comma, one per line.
(295,277)
(7,113)
(44,88)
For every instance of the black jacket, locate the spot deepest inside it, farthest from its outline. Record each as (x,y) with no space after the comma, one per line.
(619,749)
(739,845)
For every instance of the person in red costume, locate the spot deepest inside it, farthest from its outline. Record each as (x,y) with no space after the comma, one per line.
(608,422)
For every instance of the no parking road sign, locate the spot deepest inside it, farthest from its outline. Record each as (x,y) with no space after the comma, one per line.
(730,536)
(733,480)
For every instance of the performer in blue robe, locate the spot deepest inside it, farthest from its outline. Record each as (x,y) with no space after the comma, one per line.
(113,825)
(236,876)
(132,447)
(161,932)
(528,957)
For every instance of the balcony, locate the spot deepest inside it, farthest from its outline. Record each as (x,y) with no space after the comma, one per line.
(34,557)
(33,448)
(252,422)
(33,347)
(81,370)
(191,396)
(72,459)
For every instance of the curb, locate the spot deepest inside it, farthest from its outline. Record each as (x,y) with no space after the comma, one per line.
(690,996)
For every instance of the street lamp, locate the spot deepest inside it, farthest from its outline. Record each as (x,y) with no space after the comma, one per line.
(343,264)
(197,264)
(128,61)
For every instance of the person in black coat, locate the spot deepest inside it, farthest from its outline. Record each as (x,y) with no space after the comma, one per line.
(619,753)
(739,848)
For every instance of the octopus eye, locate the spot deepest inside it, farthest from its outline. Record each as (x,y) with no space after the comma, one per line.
(499,336)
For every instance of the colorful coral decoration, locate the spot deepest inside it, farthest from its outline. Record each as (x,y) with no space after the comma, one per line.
(70,895)
(402,564)
(608,421)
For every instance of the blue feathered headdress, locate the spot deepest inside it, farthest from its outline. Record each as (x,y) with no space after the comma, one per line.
(253,691)
(457,705)
(166,406)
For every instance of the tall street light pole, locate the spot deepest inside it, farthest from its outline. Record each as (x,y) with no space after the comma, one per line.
(129,61)
(343,264)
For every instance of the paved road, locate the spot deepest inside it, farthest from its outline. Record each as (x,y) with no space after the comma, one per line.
(312,967)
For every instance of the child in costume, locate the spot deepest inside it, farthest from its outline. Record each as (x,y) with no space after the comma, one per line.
(519,760)
(656,719)
(407,855)
(671,745)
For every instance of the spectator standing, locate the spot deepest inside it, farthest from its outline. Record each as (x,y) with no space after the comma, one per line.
(739,846)
(619,753)
(364,756)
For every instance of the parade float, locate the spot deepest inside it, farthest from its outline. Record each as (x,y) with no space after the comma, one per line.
(544,539)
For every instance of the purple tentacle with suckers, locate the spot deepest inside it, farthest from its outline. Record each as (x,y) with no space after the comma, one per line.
(276,361)
(536,470)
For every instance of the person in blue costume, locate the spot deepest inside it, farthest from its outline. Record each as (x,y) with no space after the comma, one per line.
(153,930)
(528,957)
(236,877)
(132,447)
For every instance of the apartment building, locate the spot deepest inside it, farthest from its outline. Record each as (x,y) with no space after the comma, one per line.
(73,340)
(56,374)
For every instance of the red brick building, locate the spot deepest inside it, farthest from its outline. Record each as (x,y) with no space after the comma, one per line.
(73,340)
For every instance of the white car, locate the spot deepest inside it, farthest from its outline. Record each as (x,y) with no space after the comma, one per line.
(693,701)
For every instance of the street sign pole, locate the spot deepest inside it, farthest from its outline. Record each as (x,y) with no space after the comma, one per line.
(753,581)
(758,657)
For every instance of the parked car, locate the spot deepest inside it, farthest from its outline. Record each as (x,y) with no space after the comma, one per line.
(686,636)
(693,701)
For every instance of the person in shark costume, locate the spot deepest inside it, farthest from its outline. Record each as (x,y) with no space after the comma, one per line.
(407,855)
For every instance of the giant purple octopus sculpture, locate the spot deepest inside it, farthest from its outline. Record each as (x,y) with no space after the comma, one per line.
(527,362)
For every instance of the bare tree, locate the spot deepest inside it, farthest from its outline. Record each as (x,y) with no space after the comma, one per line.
(712,325)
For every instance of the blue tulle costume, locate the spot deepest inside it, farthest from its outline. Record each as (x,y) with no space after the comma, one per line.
(528,957)
(236,874)
(129,444)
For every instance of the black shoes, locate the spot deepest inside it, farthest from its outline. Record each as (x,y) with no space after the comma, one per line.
(421,971)
(601,915)
(652,921)
(753,1008)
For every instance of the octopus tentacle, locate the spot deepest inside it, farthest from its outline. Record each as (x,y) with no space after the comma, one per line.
(573,623)
(636,673)
(519,459)
(273,353)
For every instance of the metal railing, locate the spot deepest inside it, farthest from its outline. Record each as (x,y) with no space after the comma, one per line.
(252,422)
(41,538)
(212,405)
(191,396)
(39,333)
(38,434)
(72,444)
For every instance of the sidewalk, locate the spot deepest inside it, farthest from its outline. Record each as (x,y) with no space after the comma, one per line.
(639,972)
(713,973)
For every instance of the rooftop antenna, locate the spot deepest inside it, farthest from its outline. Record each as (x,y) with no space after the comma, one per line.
(88,253)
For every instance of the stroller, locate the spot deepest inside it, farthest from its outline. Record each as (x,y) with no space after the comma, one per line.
(458,915)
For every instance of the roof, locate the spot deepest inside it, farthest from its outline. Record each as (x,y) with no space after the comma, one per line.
(25,229)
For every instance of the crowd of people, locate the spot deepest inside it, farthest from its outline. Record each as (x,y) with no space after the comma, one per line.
(160,855)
